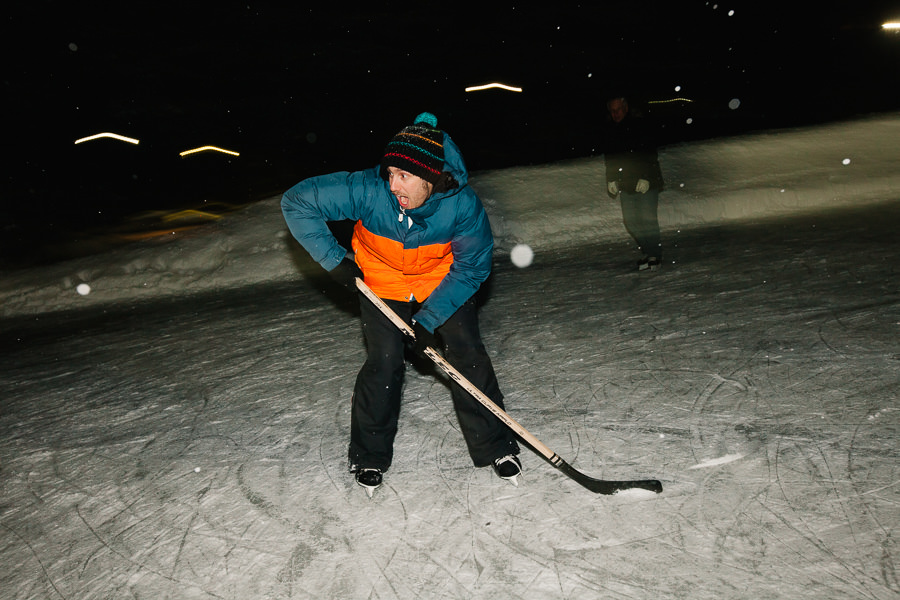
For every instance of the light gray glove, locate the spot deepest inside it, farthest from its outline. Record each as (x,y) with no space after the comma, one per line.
(642,187)
(613,188)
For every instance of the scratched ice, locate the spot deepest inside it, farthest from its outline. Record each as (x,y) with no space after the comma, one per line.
(181,431)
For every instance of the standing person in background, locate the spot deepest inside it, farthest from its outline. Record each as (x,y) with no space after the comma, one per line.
(423,243)
(634,177)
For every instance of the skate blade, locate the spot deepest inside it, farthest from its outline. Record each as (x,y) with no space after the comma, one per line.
(513,480)
(370,489)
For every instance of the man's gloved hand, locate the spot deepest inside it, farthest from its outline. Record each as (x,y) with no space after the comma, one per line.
(642,187)
(346,273)
(613,188)
(424,339)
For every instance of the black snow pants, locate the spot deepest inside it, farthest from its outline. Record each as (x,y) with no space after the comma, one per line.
(376,397)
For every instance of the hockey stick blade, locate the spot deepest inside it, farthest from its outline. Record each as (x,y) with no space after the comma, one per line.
(598,486)
(607,486)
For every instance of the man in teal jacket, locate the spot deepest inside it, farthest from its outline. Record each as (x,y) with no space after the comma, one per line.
(423,243)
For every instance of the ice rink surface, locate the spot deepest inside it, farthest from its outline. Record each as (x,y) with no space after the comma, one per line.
(181,433)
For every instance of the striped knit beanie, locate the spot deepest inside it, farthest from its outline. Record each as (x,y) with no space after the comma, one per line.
(418,149)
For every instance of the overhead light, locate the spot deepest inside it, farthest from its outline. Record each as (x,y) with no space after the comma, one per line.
(208,149)
(488,86)
(115,136)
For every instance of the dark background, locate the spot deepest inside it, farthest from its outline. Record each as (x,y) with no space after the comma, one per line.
(307,89)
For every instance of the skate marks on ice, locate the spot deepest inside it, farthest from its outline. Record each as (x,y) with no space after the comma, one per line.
(127,444)
(766,400)
(790,362)
(714,462)
(744,497)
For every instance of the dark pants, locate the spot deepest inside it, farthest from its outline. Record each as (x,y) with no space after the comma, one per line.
(376,397)
(639,213)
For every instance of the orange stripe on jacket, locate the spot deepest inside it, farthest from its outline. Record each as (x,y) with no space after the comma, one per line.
(396,273)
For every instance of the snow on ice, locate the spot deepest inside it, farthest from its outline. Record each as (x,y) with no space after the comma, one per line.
(546,207)
(181,430)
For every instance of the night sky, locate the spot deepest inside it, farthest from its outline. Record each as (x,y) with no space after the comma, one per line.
(302,91)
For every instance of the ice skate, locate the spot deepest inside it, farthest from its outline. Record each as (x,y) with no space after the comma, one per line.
(650,263)
(370,479)
(508,467)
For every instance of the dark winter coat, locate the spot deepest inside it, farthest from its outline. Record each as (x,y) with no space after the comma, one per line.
(630,154)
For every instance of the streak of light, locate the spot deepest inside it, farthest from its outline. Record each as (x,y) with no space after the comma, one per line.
(892,25)
(669,100)
(208,148)
(190,213)
(106,134)
(148,235)
(488,86)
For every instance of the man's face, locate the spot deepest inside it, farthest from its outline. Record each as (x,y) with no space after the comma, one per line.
(618,108)
(411,190)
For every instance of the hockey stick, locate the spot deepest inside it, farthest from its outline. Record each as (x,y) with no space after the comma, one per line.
(598,486)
